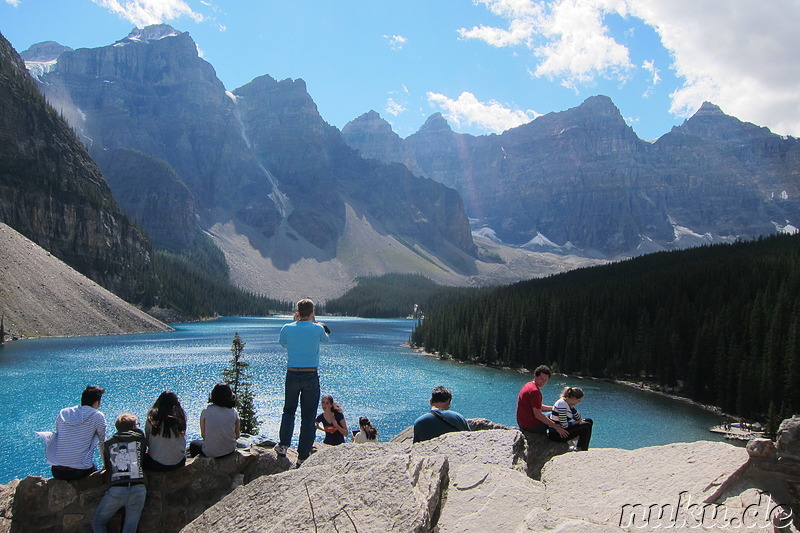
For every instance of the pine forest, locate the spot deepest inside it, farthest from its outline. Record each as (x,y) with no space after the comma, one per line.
(718,324)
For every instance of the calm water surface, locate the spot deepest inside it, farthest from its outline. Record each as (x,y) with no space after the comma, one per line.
(366,367)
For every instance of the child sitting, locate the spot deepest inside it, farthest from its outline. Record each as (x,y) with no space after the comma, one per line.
(123,456)
(565,415)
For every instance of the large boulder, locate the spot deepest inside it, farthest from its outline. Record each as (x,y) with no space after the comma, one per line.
(483,498)
(495,446)
(534,450)
(628,488)
(390,493)
(539,449)
(788,441)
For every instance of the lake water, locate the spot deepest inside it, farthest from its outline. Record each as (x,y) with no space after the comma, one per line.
(366,367)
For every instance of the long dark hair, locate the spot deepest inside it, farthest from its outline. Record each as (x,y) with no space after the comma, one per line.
(335,407)
(369,430)
(167,414)
(223,396)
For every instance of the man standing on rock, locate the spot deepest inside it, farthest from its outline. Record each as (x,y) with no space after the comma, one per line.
(301,339)
(440,419)
(79,430)
(529,405)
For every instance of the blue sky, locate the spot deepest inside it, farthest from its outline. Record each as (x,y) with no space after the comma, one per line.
(487,65)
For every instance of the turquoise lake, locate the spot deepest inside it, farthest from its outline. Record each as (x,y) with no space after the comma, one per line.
(366,367)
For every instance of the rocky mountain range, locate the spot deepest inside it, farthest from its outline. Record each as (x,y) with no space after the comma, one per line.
(299,207)
(581,181)
(292,206)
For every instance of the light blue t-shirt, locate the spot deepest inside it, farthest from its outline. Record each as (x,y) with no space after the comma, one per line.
(301,340)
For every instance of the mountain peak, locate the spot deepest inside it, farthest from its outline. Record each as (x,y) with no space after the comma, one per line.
(436,123)
(155,32)
(370,119)
(709,109)
(45,51)
(599,104)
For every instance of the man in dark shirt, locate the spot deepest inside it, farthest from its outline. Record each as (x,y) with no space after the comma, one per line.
(440,419)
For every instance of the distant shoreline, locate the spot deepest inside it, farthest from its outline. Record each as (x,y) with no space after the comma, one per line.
(642,386)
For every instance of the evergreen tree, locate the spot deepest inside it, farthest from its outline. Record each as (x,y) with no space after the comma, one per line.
(237,377)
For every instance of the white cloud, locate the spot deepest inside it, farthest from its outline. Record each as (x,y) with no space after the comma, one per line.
(393,108)
(568,36)
(145,12)
(490,116)
(650,66)
(14,3)
(396,42)
(742,58)
(655,77)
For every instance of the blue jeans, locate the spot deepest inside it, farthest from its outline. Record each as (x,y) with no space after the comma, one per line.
(305,387)
(131,498)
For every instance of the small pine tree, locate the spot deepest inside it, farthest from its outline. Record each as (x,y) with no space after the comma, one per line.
(237,377)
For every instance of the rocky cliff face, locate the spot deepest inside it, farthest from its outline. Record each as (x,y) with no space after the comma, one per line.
(151,93)
(320,174)
(583,178)
(258,163)
(53,193)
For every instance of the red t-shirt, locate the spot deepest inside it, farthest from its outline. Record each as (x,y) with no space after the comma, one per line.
(529,397)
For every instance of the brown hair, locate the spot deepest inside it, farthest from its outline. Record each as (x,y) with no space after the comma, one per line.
(305,307)
(335,407)
(572,392)
(126,422)
(542,369)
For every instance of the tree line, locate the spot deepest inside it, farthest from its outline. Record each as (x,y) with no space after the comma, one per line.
(386,296)
(718,324)
(194,287)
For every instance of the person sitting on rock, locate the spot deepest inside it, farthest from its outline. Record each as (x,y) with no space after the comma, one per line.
(440,419)
(79,430)
(124,458)
(219,424)
(566,415)
(530,417)
(165,429)
(332,421)
(367,432)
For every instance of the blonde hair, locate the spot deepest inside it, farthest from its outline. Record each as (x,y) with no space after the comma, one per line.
(572,392)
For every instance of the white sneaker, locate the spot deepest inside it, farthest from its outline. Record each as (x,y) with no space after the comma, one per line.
(280,450)
(573,448)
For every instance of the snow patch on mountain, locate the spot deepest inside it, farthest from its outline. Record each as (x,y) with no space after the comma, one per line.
(155,32)
(788,228)
(37,69)
(487,233)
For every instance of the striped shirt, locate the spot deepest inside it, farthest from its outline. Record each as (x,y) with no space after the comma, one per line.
(562,413)
(79,430)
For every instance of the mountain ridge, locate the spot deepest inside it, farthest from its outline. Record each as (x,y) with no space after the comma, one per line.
(269,180)
(584,181)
